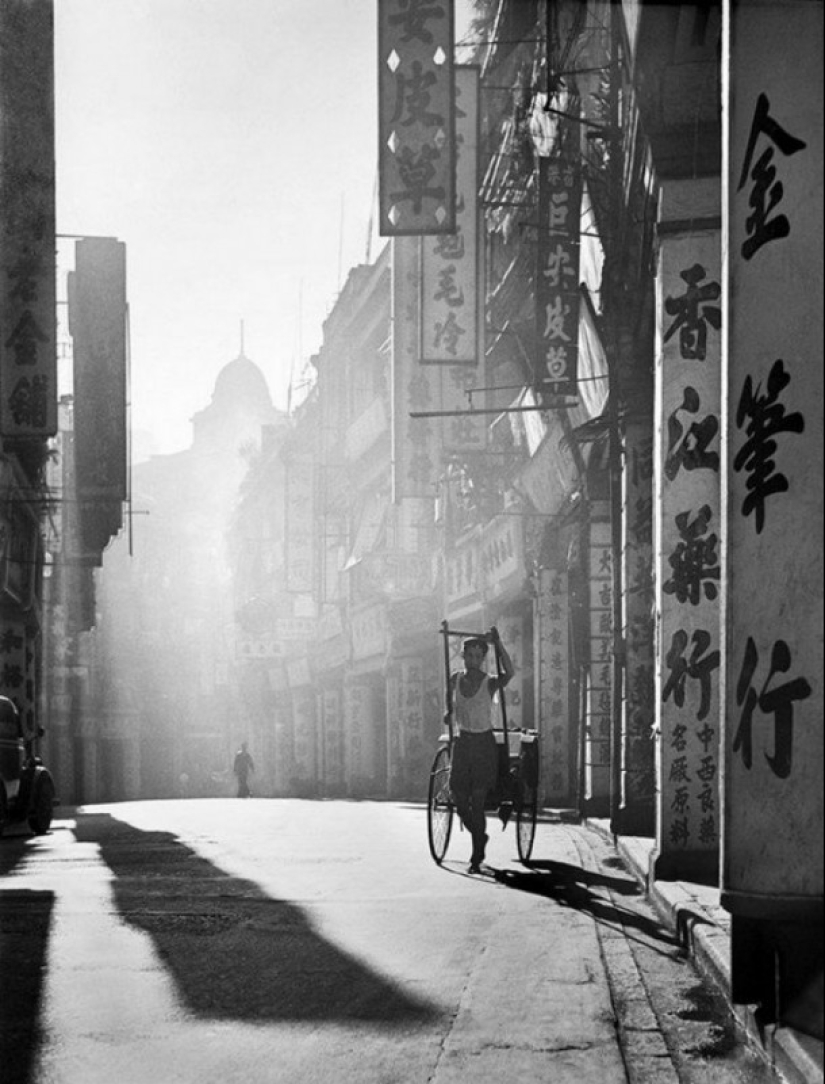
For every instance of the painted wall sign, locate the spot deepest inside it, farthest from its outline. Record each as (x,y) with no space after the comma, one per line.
(28,352)
(557,275)
(551,630)
(599,696)
(689,544)
(773,846)
(416,143)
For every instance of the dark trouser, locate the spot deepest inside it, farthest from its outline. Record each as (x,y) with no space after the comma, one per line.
(473,775)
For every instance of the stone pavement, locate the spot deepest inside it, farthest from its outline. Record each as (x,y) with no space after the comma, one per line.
(694,912)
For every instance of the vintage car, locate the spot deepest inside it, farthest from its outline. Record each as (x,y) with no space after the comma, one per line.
(27,791)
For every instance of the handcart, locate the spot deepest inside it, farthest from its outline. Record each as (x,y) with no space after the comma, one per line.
(518,778)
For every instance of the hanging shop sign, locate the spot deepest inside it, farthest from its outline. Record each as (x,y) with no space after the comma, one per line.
(450,261)
(416,140)
(28,353)
(416,442)
(772,851)
(557,276)
(299,500)
(97,322)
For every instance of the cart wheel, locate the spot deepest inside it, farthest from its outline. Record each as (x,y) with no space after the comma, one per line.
(439,806)
(526,822)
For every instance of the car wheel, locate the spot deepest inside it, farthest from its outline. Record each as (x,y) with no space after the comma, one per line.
(40,816)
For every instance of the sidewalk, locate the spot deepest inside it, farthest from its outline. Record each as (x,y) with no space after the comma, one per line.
(694,912)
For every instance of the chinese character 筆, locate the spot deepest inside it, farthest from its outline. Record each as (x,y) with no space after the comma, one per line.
(765,417)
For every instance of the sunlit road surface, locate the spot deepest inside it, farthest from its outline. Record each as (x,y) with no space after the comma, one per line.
(294,942)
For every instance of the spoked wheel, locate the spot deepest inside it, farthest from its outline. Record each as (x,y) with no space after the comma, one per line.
(439,806)
(526,822)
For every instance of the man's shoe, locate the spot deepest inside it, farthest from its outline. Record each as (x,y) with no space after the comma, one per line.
(474,867)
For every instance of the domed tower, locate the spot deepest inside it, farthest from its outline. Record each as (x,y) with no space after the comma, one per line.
(241,404)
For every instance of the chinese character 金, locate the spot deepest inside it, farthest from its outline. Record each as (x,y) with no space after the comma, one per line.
(767,192)
(777,702)
(765,417)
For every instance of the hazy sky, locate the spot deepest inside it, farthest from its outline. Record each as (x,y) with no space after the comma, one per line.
(217,139)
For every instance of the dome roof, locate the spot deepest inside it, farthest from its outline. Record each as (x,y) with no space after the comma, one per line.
(241,381)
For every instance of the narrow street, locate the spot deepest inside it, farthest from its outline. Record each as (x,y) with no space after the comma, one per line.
(294,942)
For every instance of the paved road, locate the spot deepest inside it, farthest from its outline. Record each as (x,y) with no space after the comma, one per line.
(298,942)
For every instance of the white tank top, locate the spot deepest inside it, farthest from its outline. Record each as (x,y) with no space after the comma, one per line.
(474,713)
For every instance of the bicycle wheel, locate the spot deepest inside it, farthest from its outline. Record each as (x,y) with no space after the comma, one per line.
(439,806)
(526,821)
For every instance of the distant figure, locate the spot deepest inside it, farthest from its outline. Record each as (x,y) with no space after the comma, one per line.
(244,764)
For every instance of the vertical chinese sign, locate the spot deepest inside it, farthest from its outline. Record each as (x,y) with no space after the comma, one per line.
(689,346)
(773,847)
(97,322)
(637,763)
(551,652)
(557,276)
(416,442)
(416,148)
(452,332)
(28,354)
(299,510)
(599,699)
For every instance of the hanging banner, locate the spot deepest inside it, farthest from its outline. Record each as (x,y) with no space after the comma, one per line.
(557,276)
(773,847)
(416,144)
(450,262)
(28,335)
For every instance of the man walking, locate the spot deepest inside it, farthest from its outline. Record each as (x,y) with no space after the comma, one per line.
(243,766)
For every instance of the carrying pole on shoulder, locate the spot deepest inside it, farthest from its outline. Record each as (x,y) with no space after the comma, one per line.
(448,689)
(501,698)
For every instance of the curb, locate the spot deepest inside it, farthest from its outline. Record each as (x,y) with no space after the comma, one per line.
(704,929)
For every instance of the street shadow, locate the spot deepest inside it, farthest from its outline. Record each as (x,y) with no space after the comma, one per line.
(236,953)
(25,925)
(12,852)
(589,892)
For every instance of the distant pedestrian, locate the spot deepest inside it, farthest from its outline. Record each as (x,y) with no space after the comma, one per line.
(243,766)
